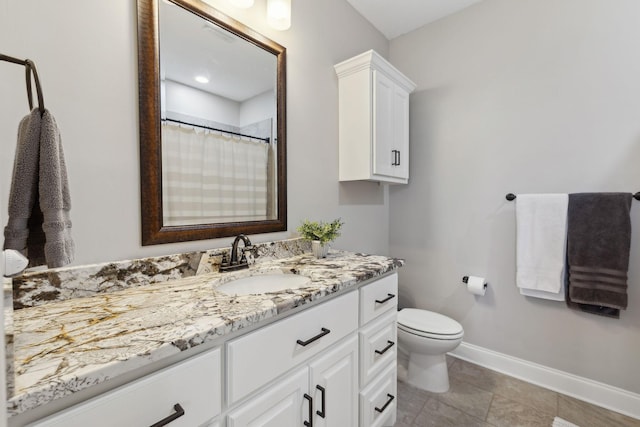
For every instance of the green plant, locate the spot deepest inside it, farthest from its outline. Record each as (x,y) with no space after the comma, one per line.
(323,231)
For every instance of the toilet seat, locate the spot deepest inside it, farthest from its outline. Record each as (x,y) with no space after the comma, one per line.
(428,324)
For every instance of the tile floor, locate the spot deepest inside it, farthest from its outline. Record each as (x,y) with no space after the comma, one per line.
(479,397)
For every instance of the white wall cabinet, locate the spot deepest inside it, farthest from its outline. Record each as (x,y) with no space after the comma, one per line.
(373,105)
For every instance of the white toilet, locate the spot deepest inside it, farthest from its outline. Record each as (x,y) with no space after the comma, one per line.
(427,337)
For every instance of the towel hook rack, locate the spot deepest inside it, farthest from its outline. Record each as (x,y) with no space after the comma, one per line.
(30,67)
(511,197)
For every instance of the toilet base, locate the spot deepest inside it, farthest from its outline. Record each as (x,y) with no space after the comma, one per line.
(428,372)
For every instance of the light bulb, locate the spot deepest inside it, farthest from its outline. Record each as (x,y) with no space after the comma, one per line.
(279,14)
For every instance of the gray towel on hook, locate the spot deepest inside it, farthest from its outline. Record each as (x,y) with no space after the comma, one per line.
(40,184)
(599,240)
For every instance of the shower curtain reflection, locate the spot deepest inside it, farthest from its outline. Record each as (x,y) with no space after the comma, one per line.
(208,177)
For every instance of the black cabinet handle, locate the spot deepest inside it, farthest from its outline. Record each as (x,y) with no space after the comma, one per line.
(384,350)
(324,332)
(395,157)
(398,162)
(391,397)
(322,413)
(382,301)
(172,417)
(310,422)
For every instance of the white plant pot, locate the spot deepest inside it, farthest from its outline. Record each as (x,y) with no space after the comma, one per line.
(319,250)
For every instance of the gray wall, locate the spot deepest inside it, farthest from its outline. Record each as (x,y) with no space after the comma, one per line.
(527,96)
(86,55)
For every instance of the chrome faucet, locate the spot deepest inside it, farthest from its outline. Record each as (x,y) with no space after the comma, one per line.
(234,264)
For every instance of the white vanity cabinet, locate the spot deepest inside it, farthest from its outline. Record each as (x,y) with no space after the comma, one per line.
(278,406)
(330,365)
(378,352)
(322,342)
(326,389)
(373,105)
(192,387)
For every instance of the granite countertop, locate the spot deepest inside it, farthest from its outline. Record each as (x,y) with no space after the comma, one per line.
(66,346)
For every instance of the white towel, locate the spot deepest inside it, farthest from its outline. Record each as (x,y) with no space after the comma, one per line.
(541,222)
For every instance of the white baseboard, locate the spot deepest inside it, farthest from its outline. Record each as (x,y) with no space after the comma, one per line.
(600,394)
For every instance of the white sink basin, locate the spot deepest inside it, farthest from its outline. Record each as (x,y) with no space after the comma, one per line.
(262,284)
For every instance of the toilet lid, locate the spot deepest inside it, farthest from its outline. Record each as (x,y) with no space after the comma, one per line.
(428,321)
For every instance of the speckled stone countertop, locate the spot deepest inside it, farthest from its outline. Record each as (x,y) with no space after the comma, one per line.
(68,345)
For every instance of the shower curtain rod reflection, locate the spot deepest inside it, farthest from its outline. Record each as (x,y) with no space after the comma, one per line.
(266,140)
(511,197)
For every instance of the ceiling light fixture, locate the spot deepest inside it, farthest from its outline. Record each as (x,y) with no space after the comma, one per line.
(202,79)
(279,14)
(242,4)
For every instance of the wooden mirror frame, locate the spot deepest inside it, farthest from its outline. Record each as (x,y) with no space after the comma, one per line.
(153,230)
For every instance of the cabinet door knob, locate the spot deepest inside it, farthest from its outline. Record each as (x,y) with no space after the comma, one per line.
(324,332)
(384,350)
(382,301)
(391,397)
(310,422)
(163,422)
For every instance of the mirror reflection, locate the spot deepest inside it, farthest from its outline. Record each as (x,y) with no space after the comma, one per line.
(218,109)
(212,125)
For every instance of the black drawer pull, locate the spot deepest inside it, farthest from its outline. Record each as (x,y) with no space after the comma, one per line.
(322,412)
(386,404)
(310,422)
(382,301)
(324,332)
(172,417)
(384,350)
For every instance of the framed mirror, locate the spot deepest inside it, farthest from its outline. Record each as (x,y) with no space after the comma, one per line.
(212,99)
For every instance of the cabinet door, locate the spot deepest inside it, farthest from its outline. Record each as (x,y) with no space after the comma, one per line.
(400,132)
(377,347)
(282,404)
(194,385)
(384,156)
(334,386)
(378,401)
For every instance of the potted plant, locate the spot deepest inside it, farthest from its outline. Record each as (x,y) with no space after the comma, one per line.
(320,234)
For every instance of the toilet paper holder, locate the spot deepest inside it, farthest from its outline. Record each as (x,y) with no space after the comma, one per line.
(465,280)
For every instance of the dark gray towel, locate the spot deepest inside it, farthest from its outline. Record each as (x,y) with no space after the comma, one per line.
(24,184)
(40,184)
(598,244)
(55,202)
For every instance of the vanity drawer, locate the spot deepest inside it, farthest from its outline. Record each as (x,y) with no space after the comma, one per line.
(261,356)
(378,402)
(195,385)
(378,346)
(378,298)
